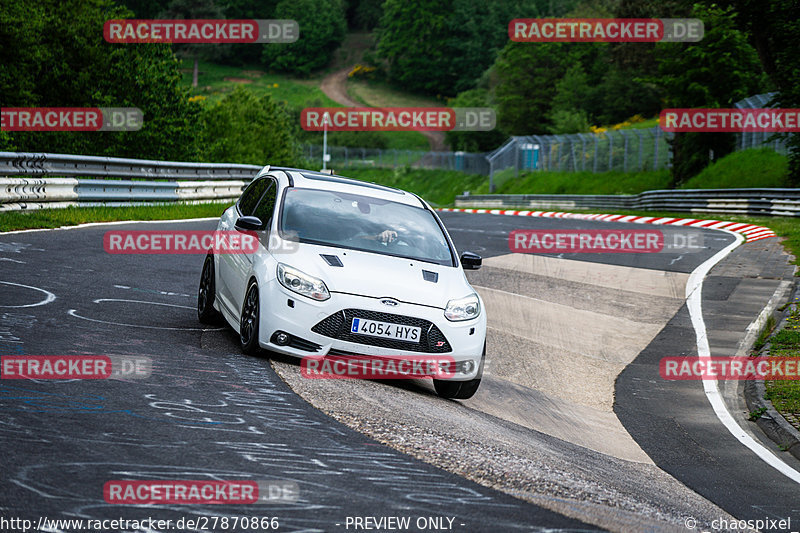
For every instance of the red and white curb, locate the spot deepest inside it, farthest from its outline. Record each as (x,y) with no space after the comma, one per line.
(751,232)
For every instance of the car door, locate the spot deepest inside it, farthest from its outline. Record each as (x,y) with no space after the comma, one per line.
(230,264)
(242,264)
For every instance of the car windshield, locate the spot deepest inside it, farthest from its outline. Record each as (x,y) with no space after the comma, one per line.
(364,223)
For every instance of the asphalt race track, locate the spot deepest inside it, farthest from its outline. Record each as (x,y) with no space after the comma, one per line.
(209,412)
(672,420)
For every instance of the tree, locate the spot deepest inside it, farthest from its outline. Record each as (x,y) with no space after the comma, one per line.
(243,128)
(442,48)
(715,72)
(250,53)
(195,9)
(523,78)
(364,14)
(53,54)
(774,30)
(145,9)
(322,29)
(473,141)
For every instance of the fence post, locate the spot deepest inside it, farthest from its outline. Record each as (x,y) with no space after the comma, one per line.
(641,151)
(625,154)
(572,154)
(557,145)
(655,151)
(594,163)
(491,175)
(583,151)
(610,151)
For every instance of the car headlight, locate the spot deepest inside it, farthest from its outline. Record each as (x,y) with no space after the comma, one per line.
(463,308)
(302,283)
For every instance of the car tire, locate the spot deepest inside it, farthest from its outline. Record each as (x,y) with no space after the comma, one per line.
(207,293)
(248,324)
(460,390)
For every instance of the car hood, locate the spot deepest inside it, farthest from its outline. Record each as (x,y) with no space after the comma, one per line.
(380,276)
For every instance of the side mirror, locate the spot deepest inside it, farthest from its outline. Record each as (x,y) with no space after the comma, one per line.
(471,261)
(249,224)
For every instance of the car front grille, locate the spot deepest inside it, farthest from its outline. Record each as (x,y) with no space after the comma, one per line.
(337,326)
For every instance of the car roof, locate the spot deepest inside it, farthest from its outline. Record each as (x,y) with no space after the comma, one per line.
(310,179)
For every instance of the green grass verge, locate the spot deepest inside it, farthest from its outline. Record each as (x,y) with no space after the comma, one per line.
(785,394)
(543,182)
(381,94)
(215,81)
(756,167)
(70,216)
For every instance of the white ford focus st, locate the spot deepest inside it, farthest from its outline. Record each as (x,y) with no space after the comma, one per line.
(346,268)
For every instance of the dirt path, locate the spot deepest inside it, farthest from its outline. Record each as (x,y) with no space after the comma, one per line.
(334,85)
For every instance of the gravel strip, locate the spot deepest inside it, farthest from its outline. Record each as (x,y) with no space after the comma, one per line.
(566,478)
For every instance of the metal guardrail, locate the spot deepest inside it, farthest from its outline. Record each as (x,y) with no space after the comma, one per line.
(764,202)
(47,180)
(68,165)
(39,180)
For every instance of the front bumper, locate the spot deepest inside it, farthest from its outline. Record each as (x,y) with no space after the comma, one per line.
(312,321)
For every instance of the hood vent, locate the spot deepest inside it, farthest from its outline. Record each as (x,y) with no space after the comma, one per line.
(427,275)
(332,260)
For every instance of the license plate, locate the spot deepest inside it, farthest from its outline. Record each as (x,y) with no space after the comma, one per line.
(385,330)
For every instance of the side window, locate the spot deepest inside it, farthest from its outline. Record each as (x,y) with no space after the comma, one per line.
(250,197)
(267,204)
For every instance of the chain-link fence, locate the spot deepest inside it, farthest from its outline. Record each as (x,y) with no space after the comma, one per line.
(625,150)
(347,157)
(759,138)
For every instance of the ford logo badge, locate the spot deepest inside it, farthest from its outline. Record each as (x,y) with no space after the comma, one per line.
(389,302)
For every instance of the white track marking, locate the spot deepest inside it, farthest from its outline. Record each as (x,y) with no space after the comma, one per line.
(139,302)
(73,312)
(49,298)
(694,292)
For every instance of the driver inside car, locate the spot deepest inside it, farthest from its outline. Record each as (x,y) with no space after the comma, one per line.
(384,237)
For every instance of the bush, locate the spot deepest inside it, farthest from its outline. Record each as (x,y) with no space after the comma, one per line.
(473,141)
(242,128)
(569,121)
